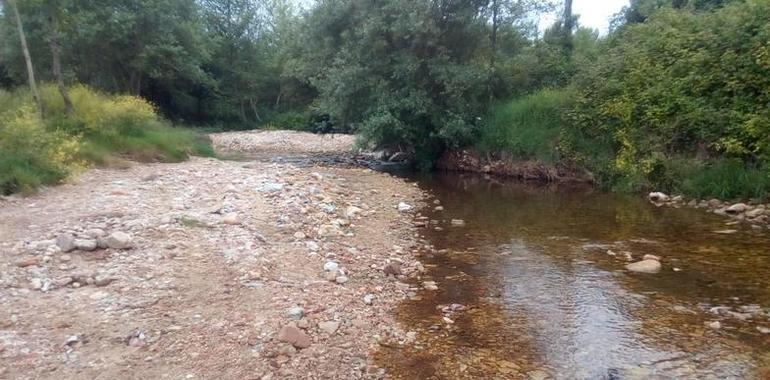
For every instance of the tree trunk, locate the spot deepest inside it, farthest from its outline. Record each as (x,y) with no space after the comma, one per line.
(493,55)
(568,26)
(56,64)
(27,59)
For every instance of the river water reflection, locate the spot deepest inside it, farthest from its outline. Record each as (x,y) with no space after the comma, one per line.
(538,282)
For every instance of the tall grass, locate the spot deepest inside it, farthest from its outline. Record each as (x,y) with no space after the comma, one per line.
(723,179)
(527,127)
(35,152)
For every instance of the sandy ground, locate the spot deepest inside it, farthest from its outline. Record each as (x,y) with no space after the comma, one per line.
(221,257)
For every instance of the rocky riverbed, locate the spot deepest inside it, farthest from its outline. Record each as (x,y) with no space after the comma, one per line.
(207,269)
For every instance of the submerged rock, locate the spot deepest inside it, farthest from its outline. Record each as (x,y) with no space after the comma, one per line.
(645,266)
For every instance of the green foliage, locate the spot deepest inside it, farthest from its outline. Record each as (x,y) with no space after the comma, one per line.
(683,84)
(723,179)
(402,73)
(528,127)
(35,153)
(207,61)
(30,156)
(291,120)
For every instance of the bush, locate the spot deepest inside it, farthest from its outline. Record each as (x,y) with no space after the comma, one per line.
(682,87)
(30,156)
(35,152)
(527,127)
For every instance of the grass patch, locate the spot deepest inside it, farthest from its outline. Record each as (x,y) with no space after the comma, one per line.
(527,127)
(191,222)
(723,179)
(35,153)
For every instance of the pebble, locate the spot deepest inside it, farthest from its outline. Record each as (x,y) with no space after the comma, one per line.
(392,269)
(28,262)
(341,279)
(329,327)
(369,299)
(296,313)
(404,207)
(272,187)
(430,285)
(85,244)
(293,335)
(66,242)
(716,325)
(36,284)
(331,266)
(118,240)
(231,219)
(458,222)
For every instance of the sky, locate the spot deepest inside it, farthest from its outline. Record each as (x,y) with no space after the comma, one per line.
(593,13)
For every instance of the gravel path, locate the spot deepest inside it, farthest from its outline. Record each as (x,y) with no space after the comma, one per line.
(206,269)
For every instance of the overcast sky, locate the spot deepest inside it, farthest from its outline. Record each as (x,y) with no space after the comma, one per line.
(593,13)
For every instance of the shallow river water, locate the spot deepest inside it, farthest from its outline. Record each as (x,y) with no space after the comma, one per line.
(534,286)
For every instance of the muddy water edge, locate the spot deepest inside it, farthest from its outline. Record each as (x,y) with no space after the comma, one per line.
(533,285)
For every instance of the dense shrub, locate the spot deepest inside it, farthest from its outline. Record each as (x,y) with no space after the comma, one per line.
(683,85)
(35,152)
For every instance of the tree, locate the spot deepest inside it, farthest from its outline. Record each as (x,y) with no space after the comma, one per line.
(53,17)
(27,57)
(404,73)
(568,24)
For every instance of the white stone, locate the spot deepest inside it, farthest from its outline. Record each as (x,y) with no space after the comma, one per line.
(118,240)
(737,208)
(272,187)
(645,266)
(341,279)
(404,207)
(369,299)
(658,197)
(331,266)
(85,244)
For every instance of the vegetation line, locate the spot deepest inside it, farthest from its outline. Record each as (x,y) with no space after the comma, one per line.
(673,98)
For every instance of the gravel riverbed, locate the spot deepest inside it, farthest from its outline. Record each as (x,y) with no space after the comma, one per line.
(208,269)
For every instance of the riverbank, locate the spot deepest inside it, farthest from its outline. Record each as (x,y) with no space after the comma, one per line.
(754,213)
(503,165)
(205,269)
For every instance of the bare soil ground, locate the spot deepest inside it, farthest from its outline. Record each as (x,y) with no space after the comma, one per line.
(223,256)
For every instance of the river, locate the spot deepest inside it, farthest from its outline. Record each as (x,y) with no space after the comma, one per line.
(534,286)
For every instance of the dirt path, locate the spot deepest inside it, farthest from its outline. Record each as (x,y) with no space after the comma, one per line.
(222,257)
